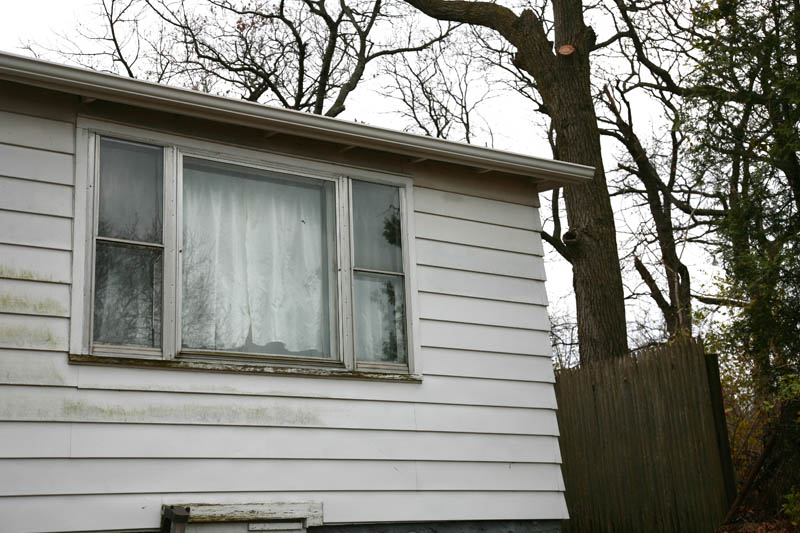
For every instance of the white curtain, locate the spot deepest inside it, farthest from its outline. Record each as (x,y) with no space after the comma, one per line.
(255,263)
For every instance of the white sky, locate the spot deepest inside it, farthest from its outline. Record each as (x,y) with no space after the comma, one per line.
(37,20)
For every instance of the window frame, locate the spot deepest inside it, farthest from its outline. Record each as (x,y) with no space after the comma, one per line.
(175,148)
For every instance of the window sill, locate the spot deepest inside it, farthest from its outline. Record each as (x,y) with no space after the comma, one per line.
(241,368)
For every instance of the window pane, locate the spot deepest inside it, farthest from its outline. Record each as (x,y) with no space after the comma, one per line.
(380,317)
(258,262)
(376,227)
(127,289)
(131,202)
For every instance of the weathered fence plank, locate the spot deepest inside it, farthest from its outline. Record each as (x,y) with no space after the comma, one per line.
(644,443)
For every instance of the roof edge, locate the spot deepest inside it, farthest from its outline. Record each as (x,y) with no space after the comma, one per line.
(92,84)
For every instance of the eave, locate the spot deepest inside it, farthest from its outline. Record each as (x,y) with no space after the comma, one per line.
(91,84)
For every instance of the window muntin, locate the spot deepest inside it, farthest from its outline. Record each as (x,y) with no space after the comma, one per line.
(259,270)
(385,348)
(128,245)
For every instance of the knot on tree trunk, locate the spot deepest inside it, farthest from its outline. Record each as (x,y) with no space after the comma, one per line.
(570,239)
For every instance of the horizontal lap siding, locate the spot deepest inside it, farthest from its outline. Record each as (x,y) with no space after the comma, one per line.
(140,511)
(35,197)
(27,131)
(22,262)
(102,440)
(35,164)
(103,447)
(24,477)
(482,302)
(473,259)
(30,229)
(444,280)
(67,404)
(34,298)
(36,204)
(53,370)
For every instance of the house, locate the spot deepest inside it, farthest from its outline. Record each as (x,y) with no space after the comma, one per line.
(222,316)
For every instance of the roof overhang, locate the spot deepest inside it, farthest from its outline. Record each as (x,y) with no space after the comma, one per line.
(92,84)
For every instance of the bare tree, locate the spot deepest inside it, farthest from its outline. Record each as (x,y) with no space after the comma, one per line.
(308,55)
(440,90)
(657,192)
(559,63)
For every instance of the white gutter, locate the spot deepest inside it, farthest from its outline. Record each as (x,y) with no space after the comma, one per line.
(92,84)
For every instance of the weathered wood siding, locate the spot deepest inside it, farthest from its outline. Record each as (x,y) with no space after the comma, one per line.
(103,447)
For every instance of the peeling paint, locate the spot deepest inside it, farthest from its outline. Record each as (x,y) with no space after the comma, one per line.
(244,368)
(28,337)
(24,274)
(20,304)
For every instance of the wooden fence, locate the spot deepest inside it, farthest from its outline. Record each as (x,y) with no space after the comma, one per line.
(644,443)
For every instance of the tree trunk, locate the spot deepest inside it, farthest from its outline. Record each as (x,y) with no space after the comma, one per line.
(563,79)
(592,245)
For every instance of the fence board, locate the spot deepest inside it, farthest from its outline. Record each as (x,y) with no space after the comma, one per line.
(641,442)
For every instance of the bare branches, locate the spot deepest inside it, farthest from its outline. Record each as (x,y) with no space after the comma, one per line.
(117,47)
(307,55)
(440,90)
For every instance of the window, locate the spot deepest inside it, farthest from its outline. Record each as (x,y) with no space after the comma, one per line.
(201,255)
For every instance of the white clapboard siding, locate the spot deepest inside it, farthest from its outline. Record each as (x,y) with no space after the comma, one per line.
(21,368)
(455,230)
(432,475)
(29,367)
(35,230)
(478,285)
(51,404)
(92,440)
(461,257)
(114,476)
(480,311)
(437,334)
(34,439)
(35,132)
(33,332)
(478,209)
(35,197)
(501,366)
(34,164)
(33,298)
(35,264)
(143,511)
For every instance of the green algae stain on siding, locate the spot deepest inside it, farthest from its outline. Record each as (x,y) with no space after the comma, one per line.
(23,336)
(11,303)
(23,274)
(191,413)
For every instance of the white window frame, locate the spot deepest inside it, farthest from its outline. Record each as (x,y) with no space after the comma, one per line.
(88,135)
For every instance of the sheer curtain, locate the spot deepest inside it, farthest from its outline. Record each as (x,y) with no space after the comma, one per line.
(256,262)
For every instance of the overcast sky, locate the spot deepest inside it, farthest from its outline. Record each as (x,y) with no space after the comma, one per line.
(37,20)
